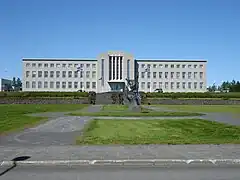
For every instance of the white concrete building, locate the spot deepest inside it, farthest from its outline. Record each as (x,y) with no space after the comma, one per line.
(108,72)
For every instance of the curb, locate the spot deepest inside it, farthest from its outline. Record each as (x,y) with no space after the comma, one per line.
(127,162)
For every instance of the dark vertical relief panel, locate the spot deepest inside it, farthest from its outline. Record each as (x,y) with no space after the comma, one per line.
(128,69)
(114,68)
(102,72)
(117,67)
(110,67)
(121,65)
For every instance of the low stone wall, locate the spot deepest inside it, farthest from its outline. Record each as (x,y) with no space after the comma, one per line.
(43,101)
(193,101)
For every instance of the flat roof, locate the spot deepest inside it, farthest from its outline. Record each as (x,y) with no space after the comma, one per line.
(171,60)
(58,59)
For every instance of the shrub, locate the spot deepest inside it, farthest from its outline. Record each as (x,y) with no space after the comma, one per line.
(92,97)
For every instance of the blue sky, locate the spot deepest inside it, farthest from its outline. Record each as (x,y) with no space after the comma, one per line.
(179,29)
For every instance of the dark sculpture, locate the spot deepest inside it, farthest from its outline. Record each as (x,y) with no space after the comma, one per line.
(132,95)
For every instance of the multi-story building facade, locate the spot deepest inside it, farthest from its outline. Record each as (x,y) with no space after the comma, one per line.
(108,72)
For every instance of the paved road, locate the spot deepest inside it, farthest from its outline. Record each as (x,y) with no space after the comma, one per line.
(113,173)
(122,152)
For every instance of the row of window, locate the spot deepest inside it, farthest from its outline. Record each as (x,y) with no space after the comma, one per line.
(171,66)
(177,85)
(58,85)
(62,74)
(58,65)
(172,75)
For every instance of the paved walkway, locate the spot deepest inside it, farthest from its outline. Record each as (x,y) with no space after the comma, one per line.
(55,138)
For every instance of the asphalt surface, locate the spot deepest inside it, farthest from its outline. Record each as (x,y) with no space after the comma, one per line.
(116,173)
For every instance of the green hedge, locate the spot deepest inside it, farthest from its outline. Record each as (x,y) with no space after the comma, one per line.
(193,95)
(43,94)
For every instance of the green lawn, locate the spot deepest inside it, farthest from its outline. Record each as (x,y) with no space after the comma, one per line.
(189,131)
(135,114)
(13,117)
(114,107)
(205,108)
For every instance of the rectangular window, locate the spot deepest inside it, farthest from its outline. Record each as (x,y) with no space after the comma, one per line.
(178,85)
(81,85)
(51,74)
(34,73)
(178,65)
(154,75)
(160,75)
(82,65)
(88,65)
(183,66)
(70,65)
(87,74)
(57,84)
(172,75)
(28,65)
(51,84)
(142,85)
(45,84)
(64,74)
(166,65)
(75,65)
(27,84)
(128,69)
(172,85)
(195,85)
(195,75)
(189,75)
(195,65)
(149,66)
(75,85)
(148,85)
(69,85)
(39,84)
(154,66)
(172,65)
(69,74)
(148,75)
(87,85)
(39,74)
(183,75)
(51,65)
(160,85)
(183,85)
(76,74)
(81,74)
(189,66)
(33,64)
(27,73)
(39,65)
(201,85)
(33,84)
(45,74)
(143,65)
(94,74)
(189,85)
(45,65)
(160,66)
(57,74)
(142,74)
(93,85)
(64,65)
(201,66)
(58,65)
(201,75)
(64,85)
(166,85)
(178,75)
(94,66)
(154,85)
(166,75)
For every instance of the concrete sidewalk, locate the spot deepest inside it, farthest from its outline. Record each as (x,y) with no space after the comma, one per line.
(184,152)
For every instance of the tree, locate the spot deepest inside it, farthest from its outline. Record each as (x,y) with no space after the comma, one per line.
(19,83)
(14,82)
